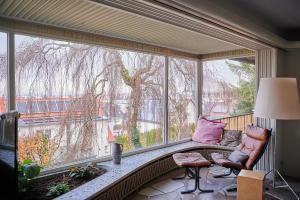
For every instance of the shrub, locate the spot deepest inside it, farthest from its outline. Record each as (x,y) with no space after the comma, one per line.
(27,171)
(135,138)
(123,139)
(77,172)
(58,189)
(82,172)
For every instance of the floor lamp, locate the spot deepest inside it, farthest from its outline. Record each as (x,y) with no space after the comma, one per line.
(278,98)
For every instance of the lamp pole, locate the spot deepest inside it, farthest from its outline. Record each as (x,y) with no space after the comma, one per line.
(278,98)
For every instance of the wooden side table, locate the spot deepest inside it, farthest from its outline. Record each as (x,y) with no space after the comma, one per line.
(250,185)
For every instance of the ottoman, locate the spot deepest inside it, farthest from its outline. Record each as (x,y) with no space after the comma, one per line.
(191,160)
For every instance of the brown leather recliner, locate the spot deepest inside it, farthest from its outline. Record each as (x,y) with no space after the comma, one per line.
(253,144)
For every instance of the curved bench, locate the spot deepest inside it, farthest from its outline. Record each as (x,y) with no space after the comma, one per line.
(137,170)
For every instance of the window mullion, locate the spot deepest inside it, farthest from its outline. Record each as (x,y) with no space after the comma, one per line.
(199,88)
(11,72)
(165,102)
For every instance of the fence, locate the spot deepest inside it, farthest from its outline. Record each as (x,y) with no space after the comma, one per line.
(238,122)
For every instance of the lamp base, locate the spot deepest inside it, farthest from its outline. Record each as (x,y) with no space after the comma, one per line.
(275,171)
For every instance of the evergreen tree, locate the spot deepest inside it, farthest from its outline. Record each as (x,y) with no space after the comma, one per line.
(246,89)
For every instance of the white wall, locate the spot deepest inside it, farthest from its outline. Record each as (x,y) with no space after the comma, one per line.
(289,131)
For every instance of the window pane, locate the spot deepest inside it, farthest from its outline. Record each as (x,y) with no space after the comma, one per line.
(137,103)
(3,72)
(228,88)
(5,137)
(75,99)
(181,98)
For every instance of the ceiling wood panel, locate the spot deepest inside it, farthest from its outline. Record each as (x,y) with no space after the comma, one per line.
(97,18)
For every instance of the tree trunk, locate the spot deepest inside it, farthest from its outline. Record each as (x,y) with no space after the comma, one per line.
(135,105)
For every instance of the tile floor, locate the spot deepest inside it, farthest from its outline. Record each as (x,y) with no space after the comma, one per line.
(164,188)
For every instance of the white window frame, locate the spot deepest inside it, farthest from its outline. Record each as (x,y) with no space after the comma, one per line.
(11,98)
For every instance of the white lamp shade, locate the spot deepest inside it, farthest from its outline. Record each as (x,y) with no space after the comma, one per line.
(277,98)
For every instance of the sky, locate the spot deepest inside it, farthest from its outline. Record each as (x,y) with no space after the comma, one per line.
(3,43)
(223,70)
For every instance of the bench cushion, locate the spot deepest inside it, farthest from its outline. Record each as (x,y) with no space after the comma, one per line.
(231,138)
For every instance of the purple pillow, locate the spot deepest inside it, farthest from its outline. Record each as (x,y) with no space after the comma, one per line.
(238,156)
(208,131)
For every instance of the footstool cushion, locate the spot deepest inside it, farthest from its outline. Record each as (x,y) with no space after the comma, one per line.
(191,159)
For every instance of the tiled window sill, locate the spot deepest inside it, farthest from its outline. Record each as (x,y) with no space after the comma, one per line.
(128,166)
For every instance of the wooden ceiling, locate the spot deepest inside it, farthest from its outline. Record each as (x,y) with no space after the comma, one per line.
(97,18)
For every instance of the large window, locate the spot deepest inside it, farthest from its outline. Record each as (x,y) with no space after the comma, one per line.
(3,72)
(228,88)
(181,98)
(76,99)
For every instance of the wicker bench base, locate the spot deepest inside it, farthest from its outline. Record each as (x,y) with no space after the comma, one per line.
(149,172)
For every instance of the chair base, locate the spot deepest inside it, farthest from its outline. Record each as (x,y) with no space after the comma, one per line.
(223,175)
(232,189)
(234,171)
(189,173)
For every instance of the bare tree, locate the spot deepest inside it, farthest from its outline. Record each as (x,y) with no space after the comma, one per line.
(3,77)
(88,74)
(181,94)
(59,69)
(139,78)
(217,90)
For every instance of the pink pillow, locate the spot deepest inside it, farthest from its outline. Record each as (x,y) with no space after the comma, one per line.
(208,131)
